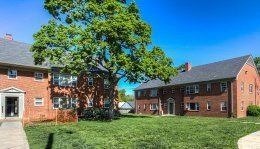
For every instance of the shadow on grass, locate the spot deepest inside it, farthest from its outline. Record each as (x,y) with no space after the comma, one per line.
(50,141)
(135,116)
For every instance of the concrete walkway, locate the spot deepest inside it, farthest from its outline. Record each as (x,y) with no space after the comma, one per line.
(251,141)
(12,136)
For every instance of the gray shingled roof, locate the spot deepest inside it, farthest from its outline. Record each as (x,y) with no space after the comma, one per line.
(17,53)
(209,72)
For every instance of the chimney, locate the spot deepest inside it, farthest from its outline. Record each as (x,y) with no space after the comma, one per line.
(8,36)
(187,66)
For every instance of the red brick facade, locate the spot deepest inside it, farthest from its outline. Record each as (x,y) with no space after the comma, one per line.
(45,90)
(236,100)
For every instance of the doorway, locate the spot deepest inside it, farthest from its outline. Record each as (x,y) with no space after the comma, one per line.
(12,105)
(171,106)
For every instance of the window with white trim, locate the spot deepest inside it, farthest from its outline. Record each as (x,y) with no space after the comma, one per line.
(208,87)
(90,102)
(192,89)
(90,81)
(223,86)
(138,93)
(12,74)
(242,86)
(223,106)
(38,102)
(153,92)
(193,106)
(242,105)
(164,91)
(64,79)
(154,106)
(144,106)
(106,103)
(38,76)
(106,84)
(251,88)
(64,103)
(208,105)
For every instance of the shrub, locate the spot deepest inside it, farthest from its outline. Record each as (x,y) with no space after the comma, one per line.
(253,110)
(98,113)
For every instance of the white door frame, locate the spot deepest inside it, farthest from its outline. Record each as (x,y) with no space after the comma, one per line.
(11,92)
(171,100)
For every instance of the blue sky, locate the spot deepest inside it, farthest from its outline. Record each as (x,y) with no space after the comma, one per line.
(198,31)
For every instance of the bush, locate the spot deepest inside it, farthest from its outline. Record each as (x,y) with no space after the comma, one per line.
(98,114)
(253,110)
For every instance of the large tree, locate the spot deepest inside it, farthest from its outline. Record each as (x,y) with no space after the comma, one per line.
(104,33)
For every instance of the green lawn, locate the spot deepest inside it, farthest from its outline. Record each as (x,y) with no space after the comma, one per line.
(143,132)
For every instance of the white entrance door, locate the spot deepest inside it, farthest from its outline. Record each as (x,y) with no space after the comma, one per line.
(171,107)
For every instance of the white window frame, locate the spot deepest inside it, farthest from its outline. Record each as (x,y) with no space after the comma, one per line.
(68,100)
(35,76)
(106,84)
(242,87)
(153,92)
(164,91)
(9,73)
(153,106)
(251,88)
(208,87)
(138,93)
(35,101)
(192,89)
(105,104)
(197,106)
(222,106)
(144,106)
(90,81)
(209,105)
(90,102)
(72,80)
(222,87)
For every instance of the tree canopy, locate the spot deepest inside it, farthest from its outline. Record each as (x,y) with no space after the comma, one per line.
(106,33)
(122,96)
(257,62)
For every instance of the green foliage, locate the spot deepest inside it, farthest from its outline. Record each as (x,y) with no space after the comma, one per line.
(105,33)
(123,97)
(253,110)
(98,114)
(257,62)
(145,132)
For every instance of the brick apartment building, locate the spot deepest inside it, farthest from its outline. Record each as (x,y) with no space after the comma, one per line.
(221,89)
(33,92)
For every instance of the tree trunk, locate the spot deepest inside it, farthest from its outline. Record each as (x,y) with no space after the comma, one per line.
(112,96)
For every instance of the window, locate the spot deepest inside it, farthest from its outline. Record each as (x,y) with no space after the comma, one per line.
(153,106)
(192,106)
(143,92)
(64,102)
(144,106)
(90,81)
(242,105)
(208,87)
(173,90)
(38,76)
(223,86)
(153,92)
(138,93)
(38,102)
(106,83)
(192,89)
(223,106)
(182,105)
(182,90)
(139,108)
(106,103)
(208,105)
(90,102)
(12,74)
(251,88)
(242,86)
(164,91)
(64,80)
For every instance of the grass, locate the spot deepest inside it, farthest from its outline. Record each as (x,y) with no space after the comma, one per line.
(143,132)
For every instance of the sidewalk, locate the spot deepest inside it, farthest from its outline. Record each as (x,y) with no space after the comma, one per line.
(12,136)
(251,141)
